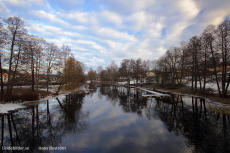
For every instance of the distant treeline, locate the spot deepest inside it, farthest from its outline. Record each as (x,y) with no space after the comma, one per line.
(204,58)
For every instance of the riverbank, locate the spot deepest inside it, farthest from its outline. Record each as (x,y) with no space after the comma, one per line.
(6,107)
(187,90)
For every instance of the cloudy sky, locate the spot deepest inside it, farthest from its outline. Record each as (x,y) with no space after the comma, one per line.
(101,31)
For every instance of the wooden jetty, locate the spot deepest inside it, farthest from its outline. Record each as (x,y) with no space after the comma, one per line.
(151,93)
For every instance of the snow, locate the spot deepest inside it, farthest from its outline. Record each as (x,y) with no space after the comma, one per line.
(131,82)
(211,85)
(122,82)
(4,108)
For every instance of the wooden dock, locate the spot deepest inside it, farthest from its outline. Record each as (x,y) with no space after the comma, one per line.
(153,93)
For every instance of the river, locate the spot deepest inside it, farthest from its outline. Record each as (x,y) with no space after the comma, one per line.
(116,119)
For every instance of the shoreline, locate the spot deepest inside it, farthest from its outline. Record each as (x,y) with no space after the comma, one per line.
(186,91)
(212,98)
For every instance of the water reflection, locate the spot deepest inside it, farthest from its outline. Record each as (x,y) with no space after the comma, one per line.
(130,99)
(44,125)
(120,120)
(204,131)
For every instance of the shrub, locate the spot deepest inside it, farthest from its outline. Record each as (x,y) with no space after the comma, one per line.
(29,96)
(24,96)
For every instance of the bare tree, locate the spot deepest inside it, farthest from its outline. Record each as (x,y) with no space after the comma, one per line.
(1,76)
(62,58)
(91,74)
(16,29)
(136,68)
(51,52)
(112,71)
(195,53)
(32,57)
(3,36)
(210,40)
(205,60)
(125,70)
(182,65)
(223,45)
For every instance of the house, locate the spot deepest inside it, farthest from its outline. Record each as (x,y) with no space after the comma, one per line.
(4,76)
(151,78)
(98,78)
(42,78)
(122,79)
(159,77)
(164,77)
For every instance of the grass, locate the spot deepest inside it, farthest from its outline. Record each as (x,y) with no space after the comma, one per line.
(32,103)
(224,110)
(25,94)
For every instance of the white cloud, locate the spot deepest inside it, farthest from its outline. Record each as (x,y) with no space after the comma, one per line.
(127,7)
(188,8)
(104,31)
(102,18)
(38,2)
(66,5)
(81,17)
(18,3)
(40,14)
(213,12)
(3,10)
(109,18)
(35,28)
(139,20)
(112,34)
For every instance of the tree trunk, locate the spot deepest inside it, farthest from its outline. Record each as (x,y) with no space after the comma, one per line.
(2,89)
(215,71)
(8,93)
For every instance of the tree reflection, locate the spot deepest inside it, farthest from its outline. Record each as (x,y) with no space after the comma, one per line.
(131,100)
(204,131)
(92,88)
(43,126)
(73,116)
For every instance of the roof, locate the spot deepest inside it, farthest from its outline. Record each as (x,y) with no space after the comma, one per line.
(151,74)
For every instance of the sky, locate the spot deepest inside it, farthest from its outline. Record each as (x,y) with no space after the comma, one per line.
(101,31)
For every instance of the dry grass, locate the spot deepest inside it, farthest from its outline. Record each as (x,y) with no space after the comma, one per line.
(187,90)
(25,94)
(224,110)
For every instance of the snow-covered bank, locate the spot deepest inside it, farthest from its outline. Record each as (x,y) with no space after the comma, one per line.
(4,108)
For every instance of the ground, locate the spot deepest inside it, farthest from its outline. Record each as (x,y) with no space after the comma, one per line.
(187,90)
(25,90)
(213,96)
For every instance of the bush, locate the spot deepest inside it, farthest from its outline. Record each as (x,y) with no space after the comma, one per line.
(29,96)
(209,91)
(24,96)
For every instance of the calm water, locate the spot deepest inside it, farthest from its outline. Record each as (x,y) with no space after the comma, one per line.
(117,120)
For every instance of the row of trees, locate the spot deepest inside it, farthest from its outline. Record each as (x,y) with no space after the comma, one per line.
(128,69)
(24,54)
(202,58)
